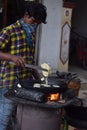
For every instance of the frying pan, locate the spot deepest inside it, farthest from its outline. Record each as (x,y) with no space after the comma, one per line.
(28,84)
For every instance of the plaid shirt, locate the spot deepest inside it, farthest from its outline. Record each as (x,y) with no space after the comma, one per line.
(13,41)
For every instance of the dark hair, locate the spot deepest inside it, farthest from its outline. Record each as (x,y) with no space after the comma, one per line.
(37,10)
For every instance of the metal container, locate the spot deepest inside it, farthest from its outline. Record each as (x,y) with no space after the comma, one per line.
(38,118)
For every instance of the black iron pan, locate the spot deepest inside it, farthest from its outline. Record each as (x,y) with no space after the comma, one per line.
(28,84)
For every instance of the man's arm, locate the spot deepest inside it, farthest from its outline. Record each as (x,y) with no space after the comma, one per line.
(18,60)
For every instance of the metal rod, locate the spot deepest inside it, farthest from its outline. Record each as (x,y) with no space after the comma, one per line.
(32,66)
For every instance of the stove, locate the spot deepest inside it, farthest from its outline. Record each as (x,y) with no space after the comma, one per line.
(35,113)
(38,118)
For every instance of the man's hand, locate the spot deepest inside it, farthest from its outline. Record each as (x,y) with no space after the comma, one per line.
(18,60)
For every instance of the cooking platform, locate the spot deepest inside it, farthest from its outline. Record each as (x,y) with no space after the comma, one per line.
(35,113)
(32,115)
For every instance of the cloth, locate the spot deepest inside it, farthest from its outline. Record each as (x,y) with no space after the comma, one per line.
(14,42)
(29,30)
(6,109)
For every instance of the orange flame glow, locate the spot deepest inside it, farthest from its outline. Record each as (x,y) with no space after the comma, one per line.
(54,97)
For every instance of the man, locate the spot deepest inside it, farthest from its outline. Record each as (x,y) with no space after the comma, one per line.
(17,45)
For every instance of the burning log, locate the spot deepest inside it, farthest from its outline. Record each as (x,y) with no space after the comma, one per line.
(54,97)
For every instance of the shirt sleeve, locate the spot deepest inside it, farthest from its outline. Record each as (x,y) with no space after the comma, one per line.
(4,38)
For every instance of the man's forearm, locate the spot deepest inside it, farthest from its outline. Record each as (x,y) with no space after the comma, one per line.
(5,56)
(18,60)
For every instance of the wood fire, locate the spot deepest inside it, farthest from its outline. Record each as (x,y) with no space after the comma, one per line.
(54,97)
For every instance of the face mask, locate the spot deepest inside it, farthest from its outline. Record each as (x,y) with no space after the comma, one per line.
(32,27)
(29,31)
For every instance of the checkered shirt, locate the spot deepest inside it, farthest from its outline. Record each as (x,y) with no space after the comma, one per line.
(13,41)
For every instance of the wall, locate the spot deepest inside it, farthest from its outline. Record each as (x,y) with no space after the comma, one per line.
(65,39)
(50,34)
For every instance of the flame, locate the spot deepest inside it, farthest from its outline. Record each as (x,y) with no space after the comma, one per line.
(54,97)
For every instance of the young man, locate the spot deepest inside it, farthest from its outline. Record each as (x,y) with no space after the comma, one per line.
(17,44)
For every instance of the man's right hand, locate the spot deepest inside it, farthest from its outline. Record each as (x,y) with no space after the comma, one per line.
(18,60)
